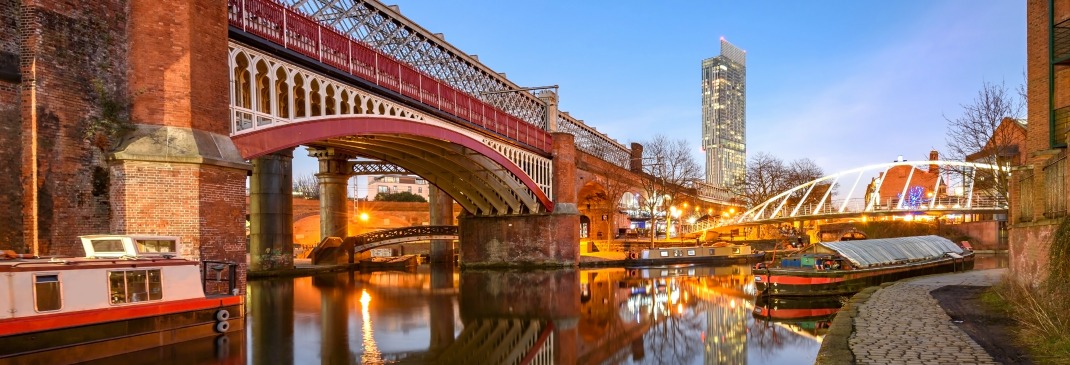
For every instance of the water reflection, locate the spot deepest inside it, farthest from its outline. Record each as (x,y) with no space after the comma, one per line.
(668,315)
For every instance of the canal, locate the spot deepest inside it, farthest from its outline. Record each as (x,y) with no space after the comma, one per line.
(664,315)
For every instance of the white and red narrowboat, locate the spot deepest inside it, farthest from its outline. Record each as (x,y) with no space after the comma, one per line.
(847,267)
(129,293)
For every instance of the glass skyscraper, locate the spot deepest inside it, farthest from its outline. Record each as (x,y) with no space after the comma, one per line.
(724,115)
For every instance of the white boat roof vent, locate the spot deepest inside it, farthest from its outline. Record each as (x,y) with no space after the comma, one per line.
(133,246)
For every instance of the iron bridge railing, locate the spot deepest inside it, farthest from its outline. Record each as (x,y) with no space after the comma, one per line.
(302,34)
(366,241)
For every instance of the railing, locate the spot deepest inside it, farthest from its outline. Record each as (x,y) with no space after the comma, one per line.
(1055,187)
(302,34)
(366,241)
(594,142)
(1025,196)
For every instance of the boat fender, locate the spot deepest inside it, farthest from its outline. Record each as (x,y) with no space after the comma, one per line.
(632,255)
(222,315)
(222,347)
(222,327)
(222,341)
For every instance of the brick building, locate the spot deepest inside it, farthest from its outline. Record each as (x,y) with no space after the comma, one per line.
(1038,189)
(114,119)
(389,184)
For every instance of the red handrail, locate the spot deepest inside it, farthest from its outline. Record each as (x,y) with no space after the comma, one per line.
(300,33)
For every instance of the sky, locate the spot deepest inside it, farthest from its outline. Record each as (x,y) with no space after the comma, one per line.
(844,83)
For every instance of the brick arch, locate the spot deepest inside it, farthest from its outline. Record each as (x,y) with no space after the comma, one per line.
(261,142)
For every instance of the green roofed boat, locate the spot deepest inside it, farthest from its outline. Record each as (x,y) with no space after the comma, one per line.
(846,267)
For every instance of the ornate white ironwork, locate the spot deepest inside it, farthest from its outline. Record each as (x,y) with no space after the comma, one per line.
(267,92)
(953,190)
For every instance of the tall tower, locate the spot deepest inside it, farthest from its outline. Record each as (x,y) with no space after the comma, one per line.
(724,115)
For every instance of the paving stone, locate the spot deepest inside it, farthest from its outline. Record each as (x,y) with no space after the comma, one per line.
(903,324)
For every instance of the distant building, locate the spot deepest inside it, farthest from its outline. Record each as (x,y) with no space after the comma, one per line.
(906,186)
(396,184)
(724,115)
(1004,148)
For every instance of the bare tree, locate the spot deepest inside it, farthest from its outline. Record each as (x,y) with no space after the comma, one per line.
(307,186)
(607,201)
(764,178)
(666,175)
(988,131)
(768,176)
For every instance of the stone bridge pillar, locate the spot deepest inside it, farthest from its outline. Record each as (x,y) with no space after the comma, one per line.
(441,215)
(548,239)
(333,179)
(176,171)
(271,212)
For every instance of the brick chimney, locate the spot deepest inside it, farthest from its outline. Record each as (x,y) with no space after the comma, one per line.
(934,156)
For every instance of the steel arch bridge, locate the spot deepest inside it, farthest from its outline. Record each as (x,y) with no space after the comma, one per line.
(896,188)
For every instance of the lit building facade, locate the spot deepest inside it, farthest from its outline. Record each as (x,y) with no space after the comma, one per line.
(724,115)
(389,184)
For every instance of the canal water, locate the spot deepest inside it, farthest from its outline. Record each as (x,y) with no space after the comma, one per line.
(662,315)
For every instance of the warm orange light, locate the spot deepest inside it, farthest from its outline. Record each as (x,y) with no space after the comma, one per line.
(365,298)
(364,217)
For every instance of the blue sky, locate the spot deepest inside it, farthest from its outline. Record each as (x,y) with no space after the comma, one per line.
(845,83)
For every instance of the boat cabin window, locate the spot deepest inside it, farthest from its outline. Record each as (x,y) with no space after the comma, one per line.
(130,286)
(47,296)
(110,247)
(691,252)
(149,246)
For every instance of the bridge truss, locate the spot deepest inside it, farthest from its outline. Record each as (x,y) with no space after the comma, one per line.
(377,43)
(897,188)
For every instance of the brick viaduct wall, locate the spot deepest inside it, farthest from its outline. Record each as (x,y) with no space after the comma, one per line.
(70,62)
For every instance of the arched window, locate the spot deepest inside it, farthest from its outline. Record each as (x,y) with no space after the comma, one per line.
(242,87)
(263,88)
(315,99)
(282,89)
(300,95)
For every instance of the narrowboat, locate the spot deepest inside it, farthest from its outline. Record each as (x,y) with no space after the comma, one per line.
(847,267)
(129,293)
(718,253)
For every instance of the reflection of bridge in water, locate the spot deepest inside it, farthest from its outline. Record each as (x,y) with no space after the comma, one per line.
(565,316)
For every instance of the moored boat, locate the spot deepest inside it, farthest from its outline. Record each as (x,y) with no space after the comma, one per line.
(846,267)
(719,253)
(129,293)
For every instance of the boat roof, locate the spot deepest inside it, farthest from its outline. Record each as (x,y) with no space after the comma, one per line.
(883,251)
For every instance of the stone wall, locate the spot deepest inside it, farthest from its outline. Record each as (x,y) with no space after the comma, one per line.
(519,241)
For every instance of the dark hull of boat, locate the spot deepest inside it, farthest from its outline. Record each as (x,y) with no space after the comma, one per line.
(710,260)
(802,282)
(98,340)
(795,309)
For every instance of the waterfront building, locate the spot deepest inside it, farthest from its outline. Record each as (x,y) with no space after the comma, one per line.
(724,115)
(389,184)
(1038,188)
